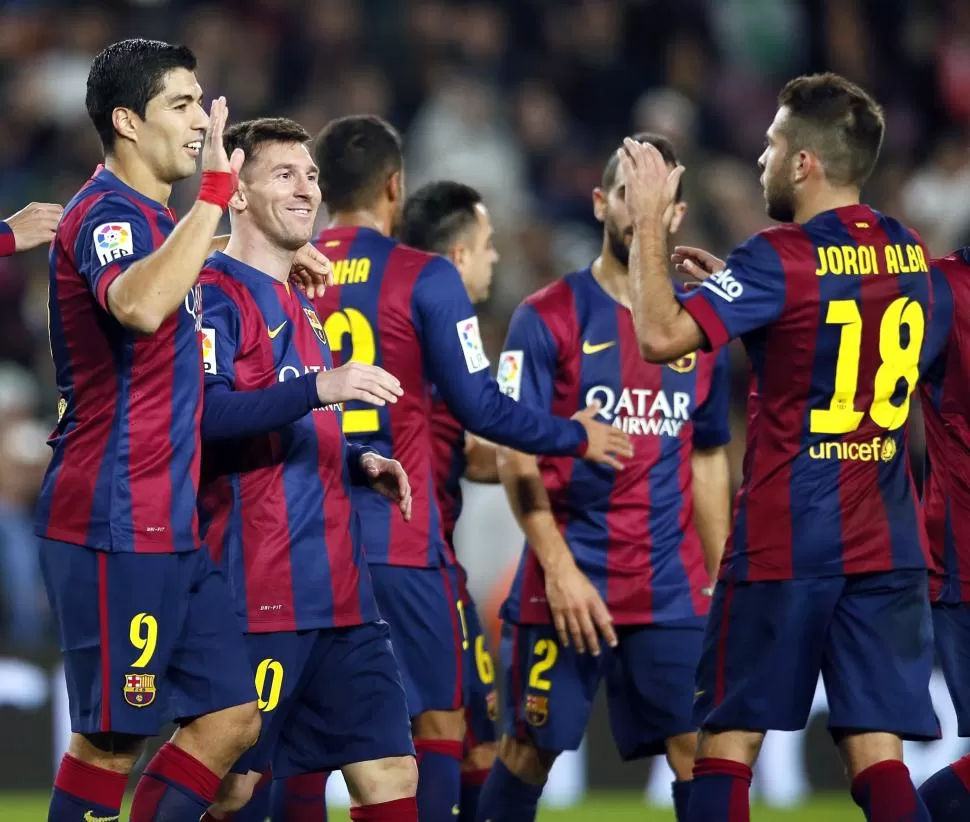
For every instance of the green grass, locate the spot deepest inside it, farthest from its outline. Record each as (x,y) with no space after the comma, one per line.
(22,807)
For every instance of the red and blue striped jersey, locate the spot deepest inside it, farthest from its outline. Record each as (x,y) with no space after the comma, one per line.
(945,400)
(276,507)
(838,319)
(125,468)
(631,531)
(449,463)
(408,312)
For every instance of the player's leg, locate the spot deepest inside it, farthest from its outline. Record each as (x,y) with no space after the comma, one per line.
(759,667)
(353,714)
(650,687)
(548,697)
(421,605)
(481,713)
(881,632)
(947,793)
(213,700)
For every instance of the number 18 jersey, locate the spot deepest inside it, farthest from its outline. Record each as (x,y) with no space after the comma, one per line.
(840,317)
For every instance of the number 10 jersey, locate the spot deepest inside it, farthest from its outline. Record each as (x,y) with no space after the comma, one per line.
(840,316)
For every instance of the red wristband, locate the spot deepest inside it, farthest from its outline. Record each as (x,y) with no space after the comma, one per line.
(217,187)
(8,243)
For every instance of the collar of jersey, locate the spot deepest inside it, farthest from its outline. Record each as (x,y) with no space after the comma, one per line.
(108,178)
(239,269)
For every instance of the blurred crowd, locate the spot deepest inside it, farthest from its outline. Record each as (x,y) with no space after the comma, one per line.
(523,99)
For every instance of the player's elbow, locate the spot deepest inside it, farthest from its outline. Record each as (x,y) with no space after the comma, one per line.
(133,313)
(656,347)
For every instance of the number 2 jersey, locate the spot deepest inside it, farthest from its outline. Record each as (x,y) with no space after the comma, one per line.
(839,317)
(632,531)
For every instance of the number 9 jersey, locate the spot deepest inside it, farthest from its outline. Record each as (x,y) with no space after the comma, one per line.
(840,316)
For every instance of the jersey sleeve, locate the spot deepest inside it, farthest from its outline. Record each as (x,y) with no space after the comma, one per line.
(527,367)
(747,294)
(711,420)
(8,243)
(455,361)
(113,234)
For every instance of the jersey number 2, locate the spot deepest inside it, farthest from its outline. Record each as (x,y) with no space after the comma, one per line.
(899,361)
(353,323)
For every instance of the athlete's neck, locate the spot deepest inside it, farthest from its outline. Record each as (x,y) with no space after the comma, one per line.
(362,218)
(613,277)
(135,174)
(256,250)
(825,199)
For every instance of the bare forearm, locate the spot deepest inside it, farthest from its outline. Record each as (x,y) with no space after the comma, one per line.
(711,490)
(529,501)
(481,463)
(153,288)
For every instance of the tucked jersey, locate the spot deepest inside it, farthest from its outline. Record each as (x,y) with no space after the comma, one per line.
(449,463)
(125,468)
(408,312)
(839,321)
(631,531)
(276,507)
(945,395)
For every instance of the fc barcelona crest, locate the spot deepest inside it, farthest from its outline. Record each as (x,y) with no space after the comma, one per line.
(315,324)
(684,364)
(140,690)
(536,710)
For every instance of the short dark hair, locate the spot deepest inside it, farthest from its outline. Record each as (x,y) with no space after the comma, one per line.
(356,155)
(251,134)
(659,142)
(836,120)
(128,74)
(437,215)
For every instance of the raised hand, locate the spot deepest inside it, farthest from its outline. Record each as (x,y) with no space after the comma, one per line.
(651,185)
(34,224)
(214,157)
(695,262)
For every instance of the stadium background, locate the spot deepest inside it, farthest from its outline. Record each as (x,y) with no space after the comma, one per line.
(523,99)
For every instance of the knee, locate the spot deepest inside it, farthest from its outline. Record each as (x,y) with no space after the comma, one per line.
(384,780)
(681,751)
(525,760)
(110,751)
(242,727)
(480,758)
(448,725)
(738,746)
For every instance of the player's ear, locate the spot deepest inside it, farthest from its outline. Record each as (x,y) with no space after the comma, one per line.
(458,254)
(803,164)
(395,187)
(677,217)
(599,204)
(125,122)
(238,201)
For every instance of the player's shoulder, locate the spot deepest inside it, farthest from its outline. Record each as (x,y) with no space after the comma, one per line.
(956,265)
(558,299)
(96,202)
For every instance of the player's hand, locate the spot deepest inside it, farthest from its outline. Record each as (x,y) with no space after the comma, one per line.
(214,157)
(311,271)
(578,611)
(695,262)
(604,443)
(650,185)
(34,224)
(356,381)
(389,479)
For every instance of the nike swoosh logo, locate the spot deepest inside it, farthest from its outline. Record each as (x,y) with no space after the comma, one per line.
(274,331)
(90,817)
(589,348)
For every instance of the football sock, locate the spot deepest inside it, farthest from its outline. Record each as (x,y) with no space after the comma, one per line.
(506,798)
(471,788)
(719,792)
(174,787)
(439,779)
(946,794)
(397,810)
(885,793)
(86,791)
(300,798)
(681,792)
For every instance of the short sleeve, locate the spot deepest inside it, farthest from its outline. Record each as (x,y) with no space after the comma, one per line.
(712,426)
(747,294)
(220,336)
(113,234)
(527,367)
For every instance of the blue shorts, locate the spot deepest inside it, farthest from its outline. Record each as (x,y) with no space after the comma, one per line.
(649,686)
(421,608)
(868,635)
(146,638)
(951,634)
(329,698)
(481,706)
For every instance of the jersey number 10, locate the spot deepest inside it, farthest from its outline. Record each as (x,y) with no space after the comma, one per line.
(899,361)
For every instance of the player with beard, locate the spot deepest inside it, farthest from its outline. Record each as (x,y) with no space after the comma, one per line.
(622,553)
(826,569)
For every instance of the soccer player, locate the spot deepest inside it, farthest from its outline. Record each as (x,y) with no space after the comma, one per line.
(450,219)
(30,227)
(408,311)
(826,569)
(617,554)
(946,504)
(276,506)
(145,619)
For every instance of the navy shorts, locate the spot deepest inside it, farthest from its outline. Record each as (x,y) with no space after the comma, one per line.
(481,706)
(421,606)
(329,698)
(870,637)
(649,686)
(145,637)
(951,634)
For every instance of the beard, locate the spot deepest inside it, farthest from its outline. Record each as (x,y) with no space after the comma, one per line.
(616,240)
(780,201)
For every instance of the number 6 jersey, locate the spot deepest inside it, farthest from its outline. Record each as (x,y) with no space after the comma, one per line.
(840,317)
